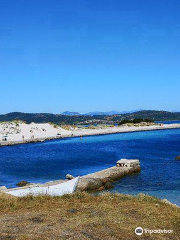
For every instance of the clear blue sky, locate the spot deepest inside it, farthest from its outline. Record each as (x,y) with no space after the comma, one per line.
(87,55)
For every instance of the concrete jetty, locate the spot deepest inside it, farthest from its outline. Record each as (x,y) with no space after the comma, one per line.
(92,182)
(103,179)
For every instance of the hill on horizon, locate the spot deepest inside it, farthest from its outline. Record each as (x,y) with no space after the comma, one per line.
(89,119)
(113,112)
(70,113)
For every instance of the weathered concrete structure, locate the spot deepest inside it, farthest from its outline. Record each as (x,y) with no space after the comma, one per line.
(92,182)
(102,179)
(128,163)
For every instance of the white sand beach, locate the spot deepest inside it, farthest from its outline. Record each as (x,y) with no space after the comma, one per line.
(20,132)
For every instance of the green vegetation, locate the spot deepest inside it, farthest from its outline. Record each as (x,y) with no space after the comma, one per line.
(87,119)
(84,216)
(136,120)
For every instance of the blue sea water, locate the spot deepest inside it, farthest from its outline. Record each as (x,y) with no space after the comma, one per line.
(170,122)
(52,160)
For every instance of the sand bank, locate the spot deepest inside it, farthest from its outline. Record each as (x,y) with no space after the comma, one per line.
(12,133)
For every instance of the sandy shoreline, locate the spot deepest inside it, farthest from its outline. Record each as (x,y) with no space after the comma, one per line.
(21,133)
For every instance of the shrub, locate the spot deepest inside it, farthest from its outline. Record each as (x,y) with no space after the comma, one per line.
(135,120)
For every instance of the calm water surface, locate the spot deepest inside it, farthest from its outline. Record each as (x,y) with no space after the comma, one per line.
(41,162)
(170,122)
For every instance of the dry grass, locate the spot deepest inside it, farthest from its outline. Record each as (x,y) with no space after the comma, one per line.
(83,216)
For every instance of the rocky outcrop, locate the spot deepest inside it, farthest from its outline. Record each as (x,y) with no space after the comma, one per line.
(3,188)
(69,176)
(22,184)
(168,202)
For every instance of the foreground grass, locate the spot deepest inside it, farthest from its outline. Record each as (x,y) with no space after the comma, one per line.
(83,216)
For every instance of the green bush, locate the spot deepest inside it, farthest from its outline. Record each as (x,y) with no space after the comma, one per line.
(135,120)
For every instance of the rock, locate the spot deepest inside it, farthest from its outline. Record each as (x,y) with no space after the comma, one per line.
(101,188)
(72,210)
(89,184)
(178,158)
(22,183)
(3,188)
(69,177)
(141,195)
(168,202)
(108,185)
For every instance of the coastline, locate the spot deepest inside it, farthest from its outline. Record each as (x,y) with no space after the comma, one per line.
(93,132)
(96,181)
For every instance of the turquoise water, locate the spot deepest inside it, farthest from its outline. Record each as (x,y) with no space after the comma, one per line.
(156,150)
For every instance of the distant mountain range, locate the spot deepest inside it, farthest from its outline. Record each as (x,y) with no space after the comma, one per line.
(67,113)
(102,113)
(89,118)
(97,113)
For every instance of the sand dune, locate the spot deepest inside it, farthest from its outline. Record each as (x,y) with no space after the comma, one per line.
(19,132)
